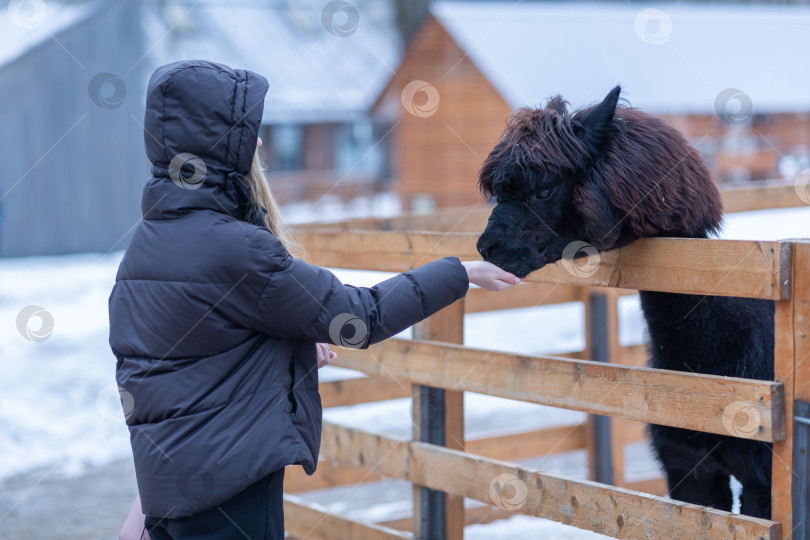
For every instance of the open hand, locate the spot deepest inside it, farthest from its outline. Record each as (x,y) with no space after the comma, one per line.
(324,354)
(489,276)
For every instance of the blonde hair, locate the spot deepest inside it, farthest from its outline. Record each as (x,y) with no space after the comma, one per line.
(262,197)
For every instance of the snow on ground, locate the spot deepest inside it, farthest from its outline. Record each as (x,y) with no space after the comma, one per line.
(59,407)
(58,397)
(332,208)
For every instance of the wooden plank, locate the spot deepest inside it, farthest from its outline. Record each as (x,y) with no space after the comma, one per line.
(527,295)
(800,508)
(328,474)
(507,448)
(782,470)
(462,219)
(749,269)
(686,400)
(791,350)
(438,515)
(801,321)
(615,512)
(653,486)
(313,522)
(543,442)
(760,196)
(385,251)
(632,431)
(631,355)
(362,390)
(476,515)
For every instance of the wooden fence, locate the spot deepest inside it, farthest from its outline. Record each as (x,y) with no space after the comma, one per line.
(606,380)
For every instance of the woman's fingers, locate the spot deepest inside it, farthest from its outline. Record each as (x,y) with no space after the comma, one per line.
(489,276)
(502,275)
(324,354)
(500,284)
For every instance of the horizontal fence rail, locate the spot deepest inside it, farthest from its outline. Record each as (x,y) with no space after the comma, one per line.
(740,268)
(724,405)
(524,445)
(611,511)
(736,198)
(361,390)
(310,521)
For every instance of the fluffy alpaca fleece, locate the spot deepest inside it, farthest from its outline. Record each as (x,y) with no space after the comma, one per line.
(608,175)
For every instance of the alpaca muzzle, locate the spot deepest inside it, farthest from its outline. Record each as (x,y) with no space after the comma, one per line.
(486,242)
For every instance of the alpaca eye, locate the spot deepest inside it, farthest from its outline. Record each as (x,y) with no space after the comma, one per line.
(541,195)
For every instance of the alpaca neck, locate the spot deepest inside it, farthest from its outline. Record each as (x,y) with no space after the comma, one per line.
(671,319)
(709,334)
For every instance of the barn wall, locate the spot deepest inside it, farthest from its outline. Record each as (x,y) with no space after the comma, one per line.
(440,155)
(73,171)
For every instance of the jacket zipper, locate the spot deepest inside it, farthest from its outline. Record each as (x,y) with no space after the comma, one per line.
(290,394)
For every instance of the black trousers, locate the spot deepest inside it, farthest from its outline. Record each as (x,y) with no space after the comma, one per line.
(256,513)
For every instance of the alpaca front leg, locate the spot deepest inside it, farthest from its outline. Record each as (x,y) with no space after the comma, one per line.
(700,486)
(693,476)
(755,500)
(753,470)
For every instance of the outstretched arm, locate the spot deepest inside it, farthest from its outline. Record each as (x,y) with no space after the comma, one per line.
(300,300)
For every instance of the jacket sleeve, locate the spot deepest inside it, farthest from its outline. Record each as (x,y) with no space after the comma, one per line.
(303,300)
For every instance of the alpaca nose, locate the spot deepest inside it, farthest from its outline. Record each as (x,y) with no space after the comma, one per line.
(485,244)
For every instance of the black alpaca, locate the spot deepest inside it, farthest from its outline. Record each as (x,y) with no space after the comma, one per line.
(608,175)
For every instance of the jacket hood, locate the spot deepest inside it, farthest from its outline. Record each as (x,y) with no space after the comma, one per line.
(206,110)
(200,129)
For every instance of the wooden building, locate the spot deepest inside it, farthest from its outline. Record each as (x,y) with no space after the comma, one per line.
(73,78)
(73,159)
(471,64)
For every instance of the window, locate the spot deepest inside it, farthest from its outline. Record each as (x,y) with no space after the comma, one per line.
(285,147)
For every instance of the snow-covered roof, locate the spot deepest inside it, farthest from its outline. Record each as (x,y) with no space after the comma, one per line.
(668,57)
(24,25)
(314,75)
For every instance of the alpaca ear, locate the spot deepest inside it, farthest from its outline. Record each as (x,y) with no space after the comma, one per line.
(592,126)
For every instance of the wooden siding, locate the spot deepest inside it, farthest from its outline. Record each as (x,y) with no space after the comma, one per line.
(73,172)
(441,154)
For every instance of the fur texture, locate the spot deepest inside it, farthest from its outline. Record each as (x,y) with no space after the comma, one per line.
(608,175)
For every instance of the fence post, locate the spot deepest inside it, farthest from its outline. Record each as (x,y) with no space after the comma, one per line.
(600,315)
(789,495)
(439,419)
(801,468)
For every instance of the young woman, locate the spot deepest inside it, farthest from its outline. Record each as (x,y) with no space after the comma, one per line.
(218,330)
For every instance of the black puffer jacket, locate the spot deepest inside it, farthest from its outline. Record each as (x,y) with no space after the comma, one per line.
(213,323)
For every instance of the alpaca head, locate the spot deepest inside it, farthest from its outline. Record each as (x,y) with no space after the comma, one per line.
(605,175)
